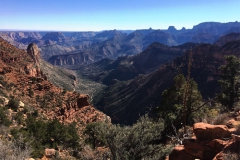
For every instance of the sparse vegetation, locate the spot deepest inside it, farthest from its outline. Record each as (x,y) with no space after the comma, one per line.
(51,134)
(231,156)
(14,149)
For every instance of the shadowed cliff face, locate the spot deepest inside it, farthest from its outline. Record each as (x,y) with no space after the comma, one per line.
(227,38)
(126,101)
(128,67)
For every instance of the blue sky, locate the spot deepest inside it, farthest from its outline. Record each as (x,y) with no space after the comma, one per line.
(96,15)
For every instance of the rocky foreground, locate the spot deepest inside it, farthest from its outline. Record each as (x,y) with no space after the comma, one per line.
(217,142)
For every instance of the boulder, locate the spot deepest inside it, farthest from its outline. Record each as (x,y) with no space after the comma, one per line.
(192,150)
(178,153)
(218,144)
(236,137)
(204,131)
(219,156)
(231,123)
(50,153)
(20,104)
(230,151)
(4,100)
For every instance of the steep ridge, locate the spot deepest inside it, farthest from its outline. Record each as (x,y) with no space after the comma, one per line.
(126,68)
(227,38)
(22,78)
(126,101)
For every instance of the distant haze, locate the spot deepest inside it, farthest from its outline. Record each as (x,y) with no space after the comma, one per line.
(96,15)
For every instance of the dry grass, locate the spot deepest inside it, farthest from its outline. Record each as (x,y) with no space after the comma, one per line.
(14,149)
(231,156)
(221,119)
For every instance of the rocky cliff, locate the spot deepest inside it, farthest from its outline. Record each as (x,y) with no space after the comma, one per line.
(22,78)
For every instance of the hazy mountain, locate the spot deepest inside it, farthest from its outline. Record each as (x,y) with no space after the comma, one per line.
(54,36)
(113,43)
(161,37)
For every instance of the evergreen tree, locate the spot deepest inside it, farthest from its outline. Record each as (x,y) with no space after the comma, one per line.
(172,105)
(229,81)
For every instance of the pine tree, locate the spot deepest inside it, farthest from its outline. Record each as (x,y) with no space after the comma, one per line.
(229,82)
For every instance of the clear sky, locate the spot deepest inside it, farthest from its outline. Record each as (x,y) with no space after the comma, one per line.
(96,15)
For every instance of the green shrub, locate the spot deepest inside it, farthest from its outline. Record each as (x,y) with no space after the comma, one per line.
(221,119)
(129,142)
(3,118)
(25,110)
(13,103)
(19,118)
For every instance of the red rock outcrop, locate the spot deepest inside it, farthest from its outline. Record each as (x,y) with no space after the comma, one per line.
(33,51)
(193,151)
(213,142)
(205,131)
(33,69)
(218,144)
(78,110)
(179,153)
(21,70)
(232,147)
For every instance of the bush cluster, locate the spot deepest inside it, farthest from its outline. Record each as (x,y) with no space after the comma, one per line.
(128,142)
